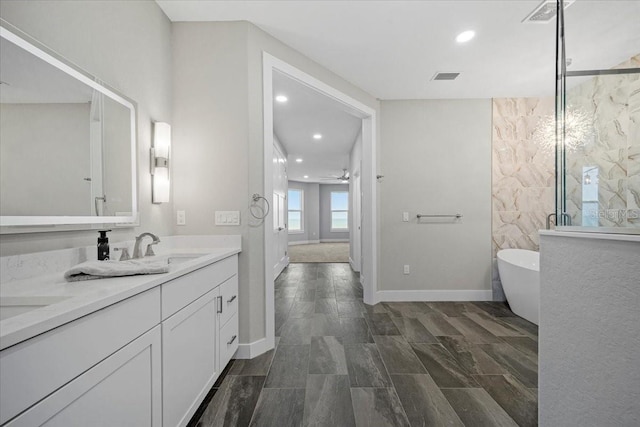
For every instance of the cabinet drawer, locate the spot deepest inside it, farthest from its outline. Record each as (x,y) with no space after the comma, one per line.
(229,294)
(122,390)
(228,341)
(180,292)
(33,369)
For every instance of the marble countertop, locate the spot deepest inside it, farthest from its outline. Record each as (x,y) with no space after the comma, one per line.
(72,300)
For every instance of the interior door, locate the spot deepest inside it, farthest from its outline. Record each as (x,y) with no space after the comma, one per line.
(357,222)
(280,187)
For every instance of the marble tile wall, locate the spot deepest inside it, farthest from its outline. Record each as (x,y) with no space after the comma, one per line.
(611,104)
(523,176)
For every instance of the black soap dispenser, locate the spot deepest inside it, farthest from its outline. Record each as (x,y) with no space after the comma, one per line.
(103,245)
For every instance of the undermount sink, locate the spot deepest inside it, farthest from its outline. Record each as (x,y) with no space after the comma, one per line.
(171,258)
(180,258)
(15,306)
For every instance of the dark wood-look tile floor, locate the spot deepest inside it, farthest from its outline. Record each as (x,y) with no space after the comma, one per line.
(340,362)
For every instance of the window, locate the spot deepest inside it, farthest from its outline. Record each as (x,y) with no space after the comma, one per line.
(339,211)
(590,217)
(296,201)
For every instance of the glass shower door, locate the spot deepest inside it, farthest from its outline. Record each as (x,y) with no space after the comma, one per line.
(597,145)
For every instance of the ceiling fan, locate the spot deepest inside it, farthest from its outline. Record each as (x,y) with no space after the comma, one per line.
(344,177)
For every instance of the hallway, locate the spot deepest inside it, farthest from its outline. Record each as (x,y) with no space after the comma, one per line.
(341,362)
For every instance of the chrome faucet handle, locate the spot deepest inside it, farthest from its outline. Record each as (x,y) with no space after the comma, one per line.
(149,251)
(125,253)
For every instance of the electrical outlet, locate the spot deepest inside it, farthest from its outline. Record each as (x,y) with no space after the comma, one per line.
(405,216)
(406,269)
(181,218)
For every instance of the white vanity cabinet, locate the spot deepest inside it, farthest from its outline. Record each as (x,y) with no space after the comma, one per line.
(40,366)
(189,349)
(191,336)
(122,390)
(228,321)
(147,360)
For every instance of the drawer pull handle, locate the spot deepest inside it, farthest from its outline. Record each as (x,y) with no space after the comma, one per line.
(233,338)
(219,304)
(229,301)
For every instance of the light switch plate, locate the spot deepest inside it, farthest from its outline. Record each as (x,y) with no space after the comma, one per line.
(405,216)
(227,217)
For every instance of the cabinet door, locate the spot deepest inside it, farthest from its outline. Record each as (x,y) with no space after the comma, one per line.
(188,359)
(122,390)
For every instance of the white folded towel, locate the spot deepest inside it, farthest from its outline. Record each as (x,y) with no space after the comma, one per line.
(104,269)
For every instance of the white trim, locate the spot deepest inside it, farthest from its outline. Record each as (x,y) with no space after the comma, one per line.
(434,295)
(353,264)
(368,188)
(334,240)
(251,350)
(303,242)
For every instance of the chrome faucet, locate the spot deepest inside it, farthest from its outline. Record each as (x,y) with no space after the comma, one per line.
(137,250)
(562,214)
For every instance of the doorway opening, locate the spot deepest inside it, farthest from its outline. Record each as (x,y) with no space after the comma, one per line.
(356,172)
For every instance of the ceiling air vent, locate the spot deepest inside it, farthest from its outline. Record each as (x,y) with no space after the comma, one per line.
(545,12)
(445,76)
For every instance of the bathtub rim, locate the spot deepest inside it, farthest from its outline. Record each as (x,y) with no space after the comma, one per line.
(523,258)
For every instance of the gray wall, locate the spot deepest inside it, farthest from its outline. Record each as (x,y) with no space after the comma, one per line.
(127,44)
(325,212)
(219,143)
(589,358)
(436,159)
(38,142)
(311,212)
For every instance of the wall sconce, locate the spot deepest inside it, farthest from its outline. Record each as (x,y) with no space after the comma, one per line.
(160,153)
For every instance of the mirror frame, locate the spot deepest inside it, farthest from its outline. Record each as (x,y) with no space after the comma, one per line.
(25,224)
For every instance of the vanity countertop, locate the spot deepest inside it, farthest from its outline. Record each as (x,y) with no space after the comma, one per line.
(72,300)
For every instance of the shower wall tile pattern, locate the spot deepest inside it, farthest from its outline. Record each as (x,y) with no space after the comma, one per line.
(523,175)
(612,104)
(523,172)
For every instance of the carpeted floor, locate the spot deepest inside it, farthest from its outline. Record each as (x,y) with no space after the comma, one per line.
(319,252)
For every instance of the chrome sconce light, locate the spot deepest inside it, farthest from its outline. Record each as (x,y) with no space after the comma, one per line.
(160,153)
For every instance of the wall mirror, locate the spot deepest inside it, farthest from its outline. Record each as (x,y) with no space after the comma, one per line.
(67,142)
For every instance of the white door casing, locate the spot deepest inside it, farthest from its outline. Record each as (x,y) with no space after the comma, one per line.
(280,232)
(367,185)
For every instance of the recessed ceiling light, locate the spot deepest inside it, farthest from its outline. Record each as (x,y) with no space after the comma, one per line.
(317,136)
(465,36)
(281,98)
(298,160)
(306,176)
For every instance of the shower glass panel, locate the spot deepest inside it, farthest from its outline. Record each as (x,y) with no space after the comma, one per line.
(597,144)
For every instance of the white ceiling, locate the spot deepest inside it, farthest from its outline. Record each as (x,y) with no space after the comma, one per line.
(392,49)
(307,112)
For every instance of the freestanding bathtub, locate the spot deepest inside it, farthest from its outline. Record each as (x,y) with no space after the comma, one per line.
(520,276)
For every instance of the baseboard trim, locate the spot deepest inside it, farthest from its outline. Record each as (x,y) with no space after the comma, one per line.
(334,240)
(434,295)
(251,350)
(303,242)
(352,263)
